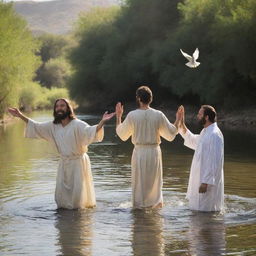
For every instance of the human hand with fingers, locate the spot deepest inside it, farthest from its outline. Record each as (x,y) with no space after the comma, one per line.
(119,110)
(107,116)
(14,112)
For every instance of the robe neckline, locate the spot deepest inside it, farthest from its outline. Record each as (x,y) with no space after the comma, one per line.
(66,124)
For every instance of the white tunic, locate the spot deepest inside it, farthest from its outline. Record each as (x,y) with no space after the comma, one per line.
(146,127)
(207,167)
(74,184)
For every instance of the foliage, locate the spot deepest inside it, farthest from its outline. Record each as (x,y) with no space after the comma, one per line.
(120,49)
(54,73)
(55,69)
(17,56)
(33,96)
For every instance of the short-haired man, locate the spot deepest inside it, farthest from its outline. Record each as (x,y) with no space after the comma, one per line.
(206,181)
(71,136)
(146,125)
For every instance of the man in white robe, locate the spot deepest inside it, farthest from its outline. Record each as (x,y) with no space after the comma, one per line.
(71,137)
(146,125)
(206,181)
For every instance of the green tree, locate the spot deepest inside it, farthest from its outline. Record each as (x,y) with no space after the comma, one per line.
(17,55)
(55,69)
(54,73)
(139,44)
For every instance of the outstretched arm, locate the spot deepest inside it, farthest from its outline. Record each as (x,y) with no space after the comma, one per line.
(16,112)
(190,139)
(104,119)
(34,129)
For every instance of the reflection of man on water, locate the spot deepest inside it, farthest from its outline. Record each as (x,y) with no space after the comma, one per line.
(71,136)
(147,233)
(206,235)
(75,232)
(206,181)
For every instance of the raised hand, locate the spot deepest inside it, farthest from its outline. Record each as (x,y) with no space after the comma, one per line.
(119,110)
(14,112)
(107,116)
(182,113)
(177,122)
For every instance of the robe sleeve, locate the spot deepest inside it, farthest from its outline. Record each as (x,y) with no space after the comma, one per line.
(190,139)
(89,134)
(125,129)
(167,130)
(211,160)
(39,130)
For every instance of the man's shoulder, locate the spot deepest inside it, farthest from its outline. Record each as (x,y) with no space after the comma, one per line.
(153,110)
(217,135)
(79,122)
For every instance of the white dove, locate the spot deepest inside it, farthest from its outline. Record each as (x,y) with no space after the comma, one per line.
(192,59)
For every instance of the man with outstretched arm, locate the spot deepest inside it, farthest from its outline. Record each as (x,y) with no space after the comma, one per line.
(71,137)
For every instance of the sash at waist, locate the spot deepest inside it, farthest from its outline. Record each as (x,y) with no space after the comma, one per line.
(146,145)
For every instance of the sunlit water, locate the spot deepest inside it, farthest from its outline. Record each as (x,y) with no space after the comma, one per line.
(31,225)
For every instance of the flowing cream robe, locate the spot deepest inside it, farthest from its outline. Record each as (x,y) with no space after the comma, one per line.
(207,167)
(74,183)
(146,127)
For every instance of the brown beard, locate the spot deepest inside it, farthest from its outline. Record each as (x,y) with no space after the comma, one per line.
(59,117)
(202,121)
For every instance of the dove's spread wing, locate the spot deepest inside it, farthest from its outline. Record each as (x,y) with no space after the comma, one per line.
(196,54)
(188,57)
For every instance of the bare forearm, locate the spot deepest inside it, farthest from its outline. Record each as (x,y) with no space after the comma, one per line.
(118,120)
(176,124)
(100,125)
(183,128)
(23,117)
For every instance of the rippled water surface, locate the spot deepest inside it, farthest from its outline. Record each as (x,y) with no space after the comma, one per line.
(31,225)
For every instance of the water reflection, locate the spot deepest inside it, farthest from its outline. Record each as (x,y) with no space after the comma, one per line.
(147,233)
(74,232)
(206,234)
(27,182)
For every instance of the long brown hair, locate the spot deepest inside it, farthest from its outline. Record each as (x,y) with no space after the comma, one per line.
(70,111)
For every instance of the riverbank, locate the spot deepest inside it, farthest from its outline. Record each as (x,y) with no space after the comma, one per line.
(242,119)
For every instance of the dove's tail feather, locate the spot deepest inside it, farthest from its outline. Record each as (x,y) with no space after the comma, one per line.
(193,65)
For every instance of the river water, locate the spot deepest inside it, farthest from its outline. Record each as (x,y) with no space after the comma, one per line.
(31,224)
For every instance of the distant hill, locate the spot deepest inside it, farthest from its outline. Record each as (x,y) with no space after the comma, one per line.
(56,17)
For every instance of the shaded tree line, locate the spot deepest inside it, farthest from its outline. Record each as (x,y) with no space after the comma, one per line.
(120,48)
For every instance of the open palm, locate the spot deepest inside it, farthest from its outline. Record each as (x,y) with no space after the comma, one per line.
(14,112)
(107,116)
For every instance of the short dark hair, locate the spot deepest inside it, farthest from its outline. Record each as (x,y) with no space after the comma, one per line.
(145,94)
(210,112)
(70,110)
